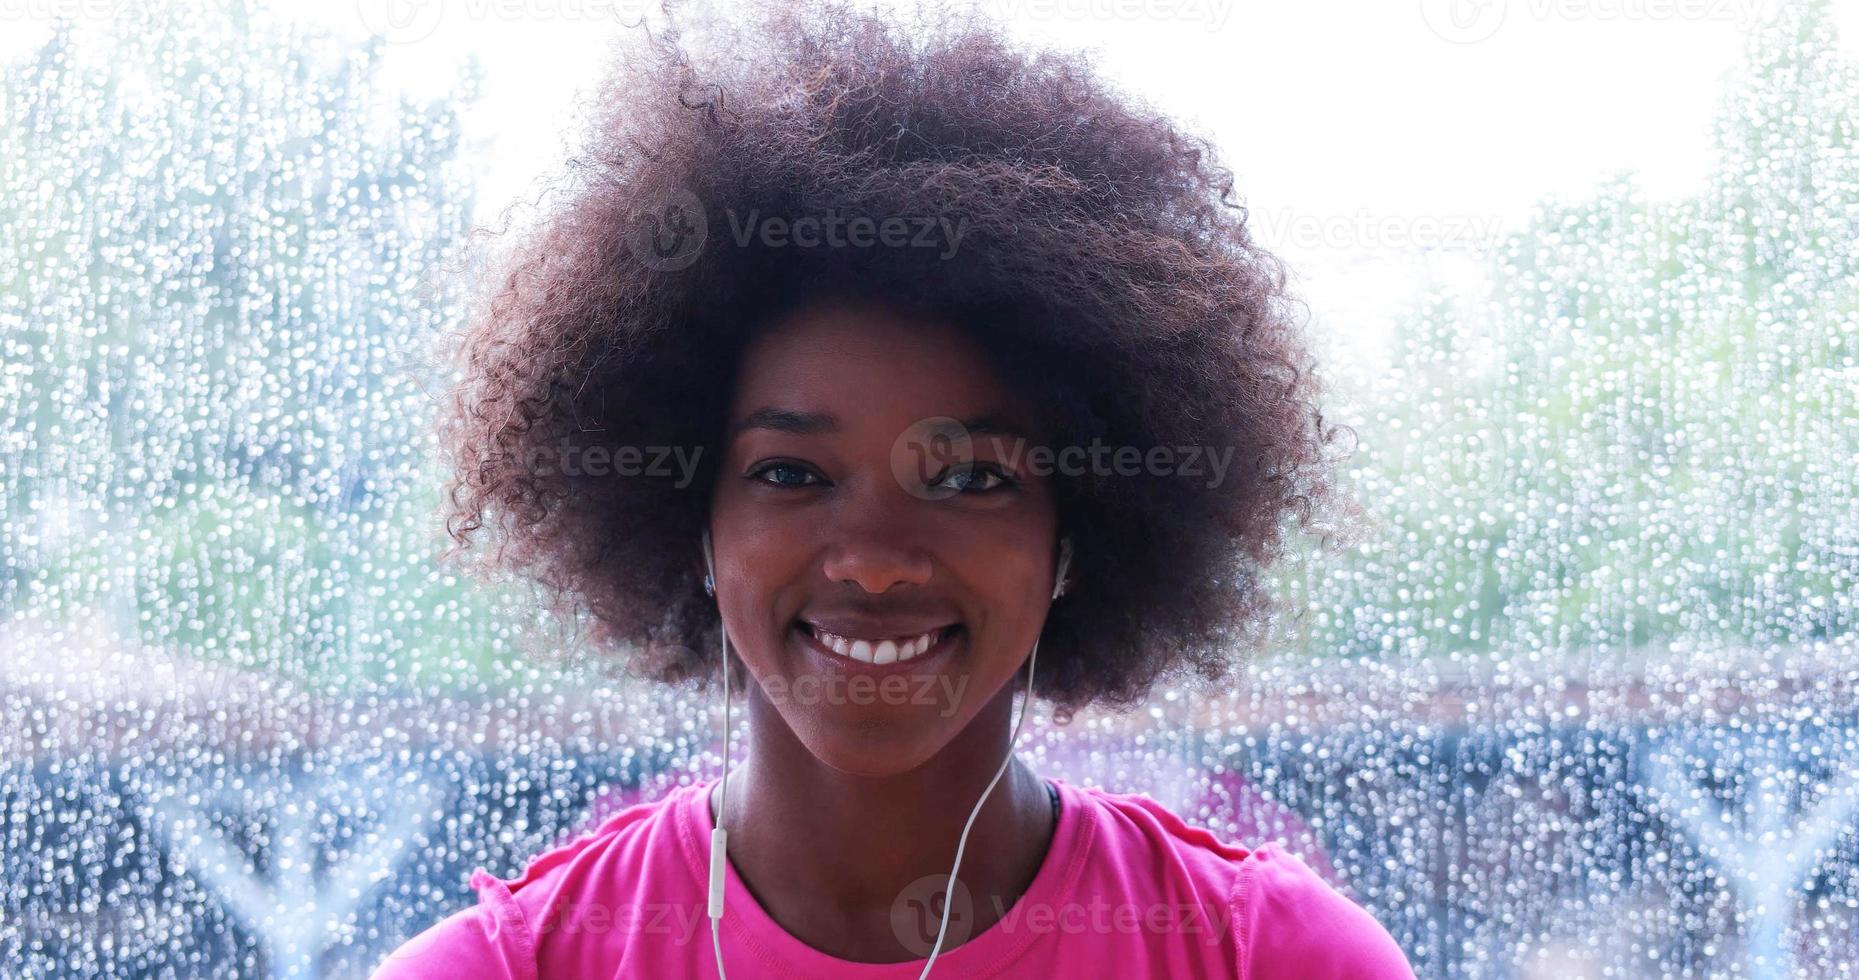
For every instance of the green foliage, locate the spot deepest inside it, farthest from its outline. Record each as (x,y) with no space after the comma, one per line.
(219,281)
(1661,443)
(225,255)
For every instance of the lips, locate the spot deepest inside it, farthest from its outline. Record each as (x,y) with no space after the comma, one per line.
(877,647)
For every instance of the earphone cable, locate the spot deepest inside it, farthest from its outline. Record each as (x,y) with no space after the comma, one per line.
(948,898)
(719,838)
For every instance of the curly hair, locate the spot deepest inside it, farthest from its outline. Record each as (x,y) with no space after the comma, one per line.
(1103,261)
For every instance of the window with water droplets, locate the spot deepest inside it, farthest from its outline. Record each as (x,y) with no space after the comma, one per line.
(1574,697)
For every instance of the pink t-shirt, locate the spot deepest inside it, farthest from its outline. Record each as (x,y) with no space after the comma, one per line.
(1126,890)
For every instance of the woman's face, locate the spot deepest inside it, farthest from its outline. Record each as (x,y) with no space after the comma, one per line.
(847,533)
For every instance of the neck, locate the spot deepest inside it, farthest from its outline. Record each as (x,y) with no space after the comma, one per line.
(827,854)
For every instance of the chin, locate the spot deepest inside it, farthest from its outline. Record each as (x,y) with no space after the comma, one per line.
(875,746)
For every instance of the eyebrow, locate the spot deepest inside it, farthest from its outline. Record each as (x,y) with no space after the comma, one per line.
(800,423)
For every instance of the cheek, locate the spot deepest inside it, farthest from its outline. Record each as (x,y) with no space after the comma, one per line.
(1005,571)
(761,570)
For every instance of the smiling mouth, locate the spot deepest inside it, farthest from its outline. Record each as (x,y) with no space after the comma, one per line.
(898,649)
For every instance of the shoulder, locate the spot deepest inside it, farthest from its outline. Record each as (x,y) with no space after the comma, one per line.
(1291,924)
(578,892)
(1285,921)
(482,940)
(1139,835)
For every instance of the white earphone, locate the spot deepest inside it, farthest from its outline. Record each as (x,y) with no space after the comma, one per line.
(719,838)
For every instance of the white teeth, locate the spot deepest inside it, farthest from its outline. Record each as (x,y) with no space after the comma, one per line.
(881,652)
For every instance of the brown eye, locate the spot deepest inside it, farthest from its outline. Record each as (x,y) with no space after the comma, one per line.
(975,478)
(782,473)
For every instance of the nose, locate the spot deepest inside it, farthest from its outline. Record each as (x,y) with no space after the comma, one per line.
(877,548)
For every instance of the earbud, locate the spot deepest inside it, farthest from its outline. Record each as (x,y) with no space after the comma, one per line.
(1059,584)
(709,567)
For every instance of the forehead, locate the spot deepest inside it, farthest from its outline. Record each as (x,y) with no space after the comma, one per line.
(863,362)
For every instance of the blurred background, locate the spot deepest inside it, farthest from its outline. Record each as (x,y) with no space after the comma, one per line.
(1570,694)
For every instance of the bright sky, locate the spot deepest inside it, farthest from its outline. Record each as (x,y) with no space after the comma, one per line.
(1359,129)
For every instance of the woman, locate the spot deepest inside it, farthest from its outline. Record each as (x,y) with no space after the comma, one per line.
(898,370)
